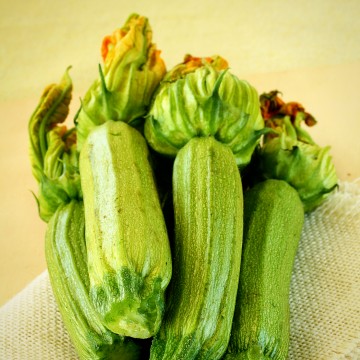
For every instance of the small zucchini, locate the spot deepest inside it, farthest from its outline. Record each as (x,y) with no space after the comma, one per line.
(66,260)
(208,207)
(129,259)
(273,220)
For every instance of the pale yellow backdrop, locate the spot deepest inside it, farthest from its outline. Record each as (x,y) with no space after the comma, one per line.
(308,49)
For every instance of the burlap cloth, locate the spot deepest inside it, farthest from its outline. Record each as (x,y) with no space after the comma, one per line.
(325,294)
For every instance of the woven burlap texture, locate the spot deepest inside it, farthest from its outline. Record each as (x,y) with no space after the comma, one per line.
(324,298)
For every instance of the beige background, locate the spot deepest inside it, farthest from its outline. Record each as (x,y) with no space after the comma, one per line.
(308,49)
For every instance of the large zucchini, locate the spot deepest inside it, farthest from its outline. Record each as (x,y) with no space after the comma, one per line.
(273,220)
(67,266)
(129,258)
(210,121)
(206,254)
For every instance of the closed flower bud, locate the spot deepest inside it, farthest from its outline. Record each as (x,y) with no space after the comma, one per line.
(202,98)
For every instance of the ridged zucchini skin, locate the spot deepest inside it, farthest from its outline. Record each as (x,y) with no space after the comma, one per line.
(129,258)
(273,221)
(67,266)
(208,207)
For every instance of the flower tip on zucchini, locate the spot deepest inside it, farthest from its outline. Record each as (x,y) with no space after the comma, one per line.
(53,149)
(132,45)
(192,63)
(132,70)
(200,97)
(289,153)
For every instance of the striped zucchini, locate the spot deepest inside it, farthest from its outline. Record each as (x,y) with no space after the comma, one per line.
(129,258)
(273,220)
(66,260)
(206,255)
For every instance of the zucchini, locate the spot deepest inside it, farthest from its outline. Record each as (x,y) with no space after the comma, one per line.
(66,260)
(207,197)
(129,259)
(273,220)
(210,122)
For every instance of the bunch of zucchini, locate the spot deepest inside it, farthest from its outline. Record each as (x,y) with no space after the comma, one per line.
(162,182)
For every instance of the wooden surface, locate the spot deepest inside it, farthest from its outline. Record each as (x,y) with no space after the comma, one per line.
(313,59)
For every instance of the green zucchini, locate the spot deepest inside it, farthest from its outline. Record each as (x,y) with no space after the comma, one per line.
(208,204)
(129,259)
(273,220)
(67,266)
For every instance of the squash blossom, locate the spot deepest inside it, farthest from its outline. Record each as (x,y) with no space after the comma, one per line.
(200,97)
(289,153)
(53,154)
(131,72)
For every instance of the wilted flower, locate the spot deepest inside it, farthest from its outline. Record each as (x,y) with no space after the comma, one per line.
(132,70)
(289,153)
(200,97)
(273,108)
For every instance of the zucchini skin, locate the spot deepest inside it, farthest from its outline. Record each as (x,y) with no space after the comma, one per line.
(66,258)
(208,207)
(273,221)
(129,258)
